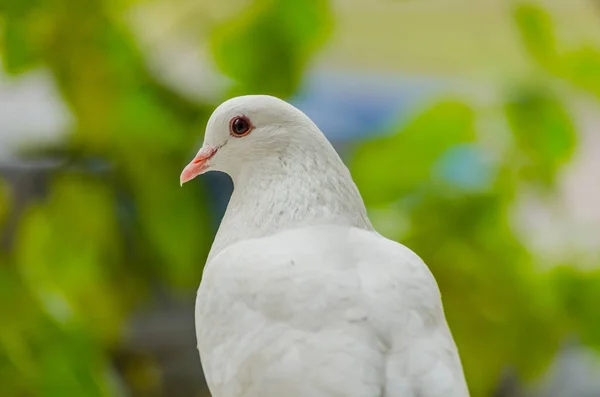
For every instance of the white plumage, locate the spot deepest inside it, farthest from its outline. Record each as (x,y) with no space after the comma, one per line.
(300,297)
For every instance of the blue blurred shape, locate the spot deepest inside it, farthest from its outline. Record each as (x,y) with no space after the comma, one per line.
(350,106)
(465,167)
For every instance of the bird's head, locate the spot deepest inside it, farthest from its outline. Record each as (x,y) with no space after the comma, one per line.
(245,130)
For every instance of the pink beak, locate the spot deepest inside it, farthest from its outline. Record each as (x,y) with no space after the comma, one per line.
(198,165)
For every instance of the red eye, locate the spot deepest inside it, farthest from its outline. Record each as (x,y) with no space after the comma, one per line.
(240,126)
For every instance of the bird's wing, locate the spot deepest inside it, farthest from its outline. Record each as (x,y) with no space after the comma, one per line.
(405,309)
(325,312)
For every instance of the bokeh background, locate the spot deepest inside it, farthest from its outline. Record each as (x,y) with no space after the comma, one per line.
(470,126)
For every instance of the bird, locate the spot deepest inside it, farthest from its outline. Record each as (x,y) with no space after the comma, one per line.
(300,296)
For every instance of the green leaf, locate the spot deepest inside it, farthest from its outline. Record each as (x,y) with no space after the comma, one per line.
(18,314)
(580,292)
(4,202)
(582,68)
(18,8)
(543,131)
(535,27)
(266,48)
(172,220)
(388,168)
(19,54)
(72,365)
(67,252)
(142,124)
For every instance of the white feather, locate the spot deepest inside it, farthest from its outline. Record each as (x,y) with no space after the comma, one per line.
(300,296)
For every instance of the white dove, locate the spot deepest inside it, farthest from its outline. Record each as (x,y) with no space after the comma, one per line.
(300,296)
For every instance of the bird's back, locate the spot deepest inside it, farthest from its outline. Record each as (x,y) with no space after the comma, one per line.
(324,311)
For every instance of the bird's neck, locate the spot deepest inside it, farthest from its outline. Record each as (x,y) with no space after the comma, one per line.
(283,192)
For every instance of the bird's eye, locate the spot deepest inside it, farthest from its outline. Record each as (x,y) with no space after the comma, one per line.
(240,126)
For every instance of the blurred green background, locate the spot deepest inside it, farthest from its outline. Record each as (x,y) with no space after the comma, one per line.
(471,128)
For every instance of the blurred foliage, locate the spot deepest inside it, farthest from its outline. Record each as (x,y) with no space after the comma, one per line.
(267,47)
(543,132)
(503,310)
(578,66)
(498,306)
(4,202)
(114,226)
(432,132)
